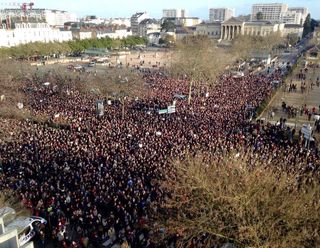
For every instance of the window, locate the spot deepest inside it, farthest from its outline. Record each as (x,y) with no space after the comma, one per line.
(24,232)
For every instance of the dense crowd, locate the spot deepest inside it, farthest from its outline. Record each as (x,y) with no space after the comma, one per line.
(98,176)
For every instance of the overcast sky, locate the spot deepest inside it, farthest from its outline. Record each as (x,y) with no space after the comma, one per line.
(125,8)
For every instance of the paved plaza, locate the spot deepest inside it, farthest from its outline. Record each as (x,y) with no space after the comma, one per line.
(296,99)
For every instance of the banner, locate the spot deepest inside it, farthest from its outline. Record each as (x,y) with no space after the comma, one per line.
(171,109)
(100,108)
(163,111)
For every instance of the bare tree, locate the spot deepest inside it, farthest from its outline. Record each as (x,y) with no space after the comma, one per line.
(244,45)
(127,85)
(199,60)
(11,83)
(9,199)
(216,202)
(118,83)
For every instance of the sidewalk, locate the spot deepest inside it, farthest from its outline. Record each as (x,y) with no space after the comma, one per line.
(311,97)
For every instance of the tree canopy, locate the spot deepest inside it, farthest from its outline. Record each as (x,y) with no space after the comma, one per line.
(74,46)
(244,45)
(199,59)
(259,16)
(307,26)
(167,25)
(229,201)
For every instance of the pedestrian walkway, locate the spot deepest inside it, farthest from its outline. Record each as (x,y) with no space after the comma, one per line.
(296,99)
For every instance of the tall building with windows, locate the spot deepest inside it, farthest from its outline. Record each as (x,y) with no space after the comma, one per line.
(135,21)
(24,33)
(55,18)
(220,14)
(291,17)
(304,12)
(268,11)
(174,13)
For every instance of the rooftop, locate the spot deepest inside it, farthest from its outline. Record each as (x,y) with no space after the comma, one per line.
(138,14)
(19,223)
(293,26)
(33,9)
(149,21)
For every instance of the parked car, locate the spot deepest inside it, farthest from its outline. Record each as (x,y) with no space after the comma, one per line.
(78,68)
(70,67)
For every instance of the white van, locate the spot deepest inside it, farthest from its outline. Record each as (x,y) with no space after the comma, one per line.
(27,227)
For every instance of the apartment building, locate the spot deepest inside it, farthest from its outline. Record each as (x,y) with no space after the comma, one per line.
(291,17)
(269,11)
(32,32)
(212,30)
(220,14)
(174,13)
(135,21)
(148,26)
(304,12)
(55,18)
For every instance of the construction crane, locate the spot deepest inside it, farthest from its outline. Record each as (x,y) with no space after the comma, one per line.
(24,6)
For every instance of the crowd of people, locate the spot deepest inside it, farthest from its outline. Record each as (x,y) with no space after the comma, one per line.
(96,178)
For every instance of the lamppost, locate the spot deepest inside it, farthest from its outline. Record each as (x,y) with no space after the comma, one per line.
(190,86)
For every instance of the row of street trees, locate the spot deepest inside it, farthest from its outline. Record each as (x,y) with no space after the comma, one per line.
(199,60)
(38,49)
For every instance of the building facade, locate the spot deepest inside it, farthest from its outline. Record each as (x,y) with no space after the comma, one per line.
(220,14)
(148,26)
(187,21)
(119,21)
(231,28)
(279,12)
(212,30)
(304,12)
(135,21)
(82,34)
(116,34)
(261,28)
(174,13)
(55,18)
(269,11)
(293,29)
(183,32)
(24,33)
(291,17)
(234,27)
